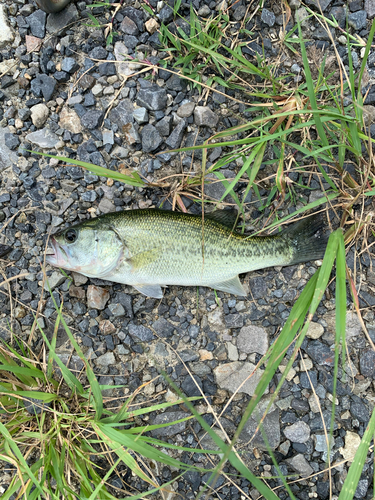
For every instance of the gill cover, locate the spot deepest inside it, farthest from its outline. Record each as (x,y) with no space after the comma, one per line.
(94,252)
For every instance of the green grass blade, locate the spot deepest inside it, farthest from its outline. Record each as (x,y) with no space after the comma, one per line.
(21,460)
(311,89)
(355,470)
(133,180)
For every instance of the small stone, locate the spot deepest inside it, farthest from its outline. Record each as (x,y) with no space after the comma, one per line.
(92,119)
(7,156)
(362,488)
(97,297)
(140,115)
(61,21)
(186,110)
(108,137)
(300,465)
(320,353)
(127,67)
(129,27)
(238,376)
(55,280)
(315,330)
(44,138)
(61,76)
(268,17)
(269,436)
(77,291)
(167,418)
(39,114)
(151,139)
(298,432)
(314,404)
(70,65)
(106,327)
(284,447)
(353,325)
(203,116)
(164,126)
(352,442)
(12,141)
(320,441)
(358,20)
(166,14)
(368,111)
(37,23)
(233,320)
(6,33)
(192,385)
(205,355)
(79,279)
(152,98)
(43,85)
(152,25)
(176,83)
(117,310)
(142,333)
(215,318)
(232,352)
(106,206)
(204,11)
(86,82)
(69,120)
(106,359)
(252,339)
(370,8)
(163,327)
(33,43)
(97,90)
(174,140)
(367,363)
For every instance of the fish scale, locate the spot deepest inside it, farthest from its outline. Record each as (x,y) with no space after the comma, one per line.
(152,248)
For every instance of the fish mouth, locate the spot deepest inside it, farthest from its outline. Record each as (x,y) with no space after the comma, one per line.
(54,257)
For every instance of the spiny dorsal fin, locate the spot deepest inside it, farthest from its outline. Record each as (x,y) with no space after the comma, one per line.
(227,218)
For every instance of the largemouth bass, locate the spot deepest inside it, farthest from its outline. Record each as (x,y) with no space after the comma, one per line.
(152,248)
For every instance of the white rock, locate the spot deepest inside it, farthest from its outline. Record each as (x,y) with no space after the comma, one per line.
(352,442)
(54,280)
(232,352)
(151,25)
(252,339)
(238,376)
(45,139)
(8,66)
(353,325)
(39,114)
(298,432)
(69,120)
(106,359)
(315,330)
(6,34)
(314,404)
(124,68)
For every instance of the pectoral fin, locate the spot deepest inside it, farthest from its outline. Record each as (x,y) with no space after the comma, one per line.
(232,285)
(154,291)
(143,259)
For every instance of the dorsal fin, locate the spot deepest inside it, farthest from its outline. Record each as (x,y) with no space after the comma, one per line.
(228,218)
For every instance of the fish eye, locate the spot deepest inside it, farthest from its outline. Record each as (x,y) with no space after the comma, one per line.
(71,235)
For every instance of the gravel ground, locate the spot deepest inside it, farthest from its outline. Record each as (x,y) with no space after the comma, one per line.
(69,97)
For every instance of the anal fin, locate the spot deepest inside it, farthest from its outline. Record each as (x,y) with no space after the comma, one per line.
(154,291)
(233,285)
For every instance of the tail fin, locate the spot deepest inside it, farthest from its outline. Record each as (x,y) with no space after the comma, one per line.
(306,239)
